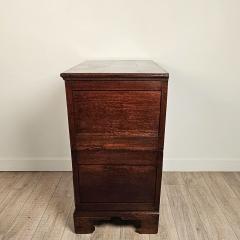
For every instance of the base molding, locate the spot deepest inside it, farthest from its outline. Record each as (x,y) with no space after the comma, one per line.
(145,222)
(169,164)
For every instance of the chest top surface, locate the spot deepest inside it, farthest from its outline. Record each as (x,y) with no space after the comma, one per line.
(116,68)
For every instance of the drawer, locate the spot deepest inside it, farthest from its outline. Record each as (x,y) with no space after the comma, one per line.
(116,184)
(117,112)
(118,157)
(116,119)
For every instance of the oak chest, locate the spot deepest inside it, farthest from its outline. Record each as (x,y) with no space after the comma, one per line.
(116,112)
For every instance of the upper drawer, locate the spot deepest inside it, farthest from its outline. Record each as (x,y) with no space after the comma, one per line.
(125,113)
(116,119)
(117,114)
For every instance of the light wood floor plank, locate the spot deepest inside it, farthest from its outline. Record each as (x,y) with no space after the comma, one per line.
(233,180)
(107,231)
(26,222)
(54,219)
(188,223)
(7,181)
(172,178)
(167,229)
(69,234)
(201,206)
(13,203)
(8,175)
(226,199)
(17,186)
(214,221)
(128,233)
(191,179)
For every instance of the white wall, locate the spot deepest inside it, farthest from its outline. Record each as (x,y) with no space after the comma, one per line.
(196,41)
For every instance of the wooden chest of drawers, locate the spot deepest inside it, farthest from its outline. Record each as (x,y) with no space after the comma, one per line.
(116,112)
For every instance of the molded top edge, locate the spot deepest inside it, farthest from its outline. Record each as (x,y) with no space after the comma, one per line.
(116,68)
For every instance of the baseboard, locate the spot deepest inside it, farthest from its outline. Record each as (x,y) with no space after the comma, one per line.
(64,164)
(36,164)
(196,165)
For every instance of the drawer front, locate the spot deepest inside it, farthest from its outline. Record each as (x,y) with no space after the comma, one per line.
(116,119)
(116,184)
(117,112)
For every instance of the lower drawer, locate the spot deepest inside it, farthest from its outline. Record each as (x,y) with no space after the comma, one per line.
(111,184)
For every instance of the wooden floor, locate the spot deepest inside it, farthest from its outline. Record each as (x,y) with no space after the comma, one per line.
(39,205)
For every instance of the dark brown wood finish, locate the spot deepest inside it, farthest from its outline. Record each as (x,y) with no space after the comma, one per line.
(116,113)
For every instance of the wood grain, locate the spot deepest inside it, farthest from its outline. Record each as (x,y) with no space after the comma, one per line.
(107,142)
(31,212)
(167,228)
(213,219)
(19,193)
(116,68)
(120,184)
(226,199)
(187,221)
(120,157)
(7,181)
(233,180)
(116,112)
(53,220)
(69,233)
(106,84)
(198,206)
(172,178)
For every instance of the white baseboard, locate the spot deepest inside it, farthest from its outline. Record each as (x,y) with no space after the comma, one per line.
(36,164)
(197,165)
(64,164)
